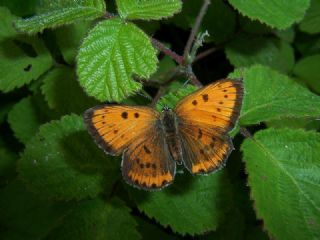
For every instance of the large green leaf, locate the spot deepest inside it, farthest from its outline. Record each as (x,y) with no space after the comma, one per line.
(62,162)
(192,205)
(270,95)
(27,215)
(247,50)
(61,13)
(284,169)
(148,9)
(308,69)
(311,21)
(107,60)
(97,219)
(63,92)
(18,67)
(24,119)
(276,13)
(6,28)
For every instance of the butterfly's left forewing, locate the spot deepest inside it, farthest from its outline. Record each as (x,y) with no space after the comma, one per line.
(205,118)
(114,127)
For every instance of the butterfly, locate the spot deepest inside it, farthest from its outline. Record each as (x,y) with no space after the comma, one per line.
(194,133)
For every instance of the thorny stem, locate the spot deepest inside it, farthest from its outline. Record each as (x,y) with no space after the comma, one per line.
(195,30)
(167,51)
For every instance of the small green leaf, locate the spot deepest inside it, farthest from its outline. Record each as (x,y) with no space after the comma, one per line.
(17,68)
(308,69)
(97,219)
(247,50)
(62,162)
(311,22)
(63,92)
(192,205)
(177,91)
(148,9)
(24,213)
(107,60)
(279,14)
(6,28)
(284,169)
(25,119)
(270,95)
(69,39)
(62,13)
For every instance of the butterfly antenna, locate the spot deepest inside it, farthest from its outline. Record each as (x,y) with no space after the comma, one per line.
(142,93)
(185,83)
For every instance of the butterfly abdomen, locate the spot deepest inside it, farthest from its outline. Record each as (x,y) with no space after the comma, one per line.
(169,123)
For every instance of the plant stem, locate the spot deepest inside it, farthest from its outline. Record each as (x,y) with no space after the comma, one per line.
(205,53)
(245,132)
(160,46)
(195,30)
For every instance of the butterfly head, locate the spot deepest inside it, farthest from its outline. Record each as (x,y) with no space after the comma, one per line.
(166,109)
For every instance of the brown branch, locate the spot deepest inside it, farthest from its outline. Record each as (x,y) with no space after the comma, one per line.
(205,53)
(195,29)
(157,97)
(160,46)
(192,77)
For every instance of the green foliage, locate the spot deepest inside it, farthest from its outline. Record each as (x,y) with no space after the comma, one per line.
(98,220)
(148,9)
(311,22)
(61,13)
(55,183)
(62,162)
(17,68)
(279,14)
(283,167)
(205,199)
(308,69)
(107,61)
(271,95)
(246,50)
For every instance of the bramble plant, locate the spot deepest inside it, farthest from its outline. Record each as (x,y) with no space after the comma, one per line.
(59,58)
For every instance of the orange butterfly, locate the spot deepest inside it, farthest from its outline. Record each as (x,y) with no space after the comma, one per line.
(195,133)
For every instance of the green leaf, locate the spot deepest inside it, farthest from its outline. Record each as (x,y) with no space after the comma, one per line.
(24,119)
(97,219)
(17,68)
(177,91)
(24,213)
(63,92)
(270,95)
(311,22)
(7,162)
(20,8)
(248,50)
(148,9)
(279,14)
(62,162)
(284,169)
(308,69)
(62,13)
(192,205)
(69,39)
(107,60)
(305,123)
(6,28)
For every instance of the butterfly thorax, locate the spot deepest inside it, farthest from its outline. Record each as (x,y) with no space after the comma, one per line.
(170,127)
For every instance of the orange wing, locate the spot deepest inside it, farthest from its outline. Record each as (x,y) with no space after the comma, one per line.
(205,118)
(135,131)
(147,163)
(114,127)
